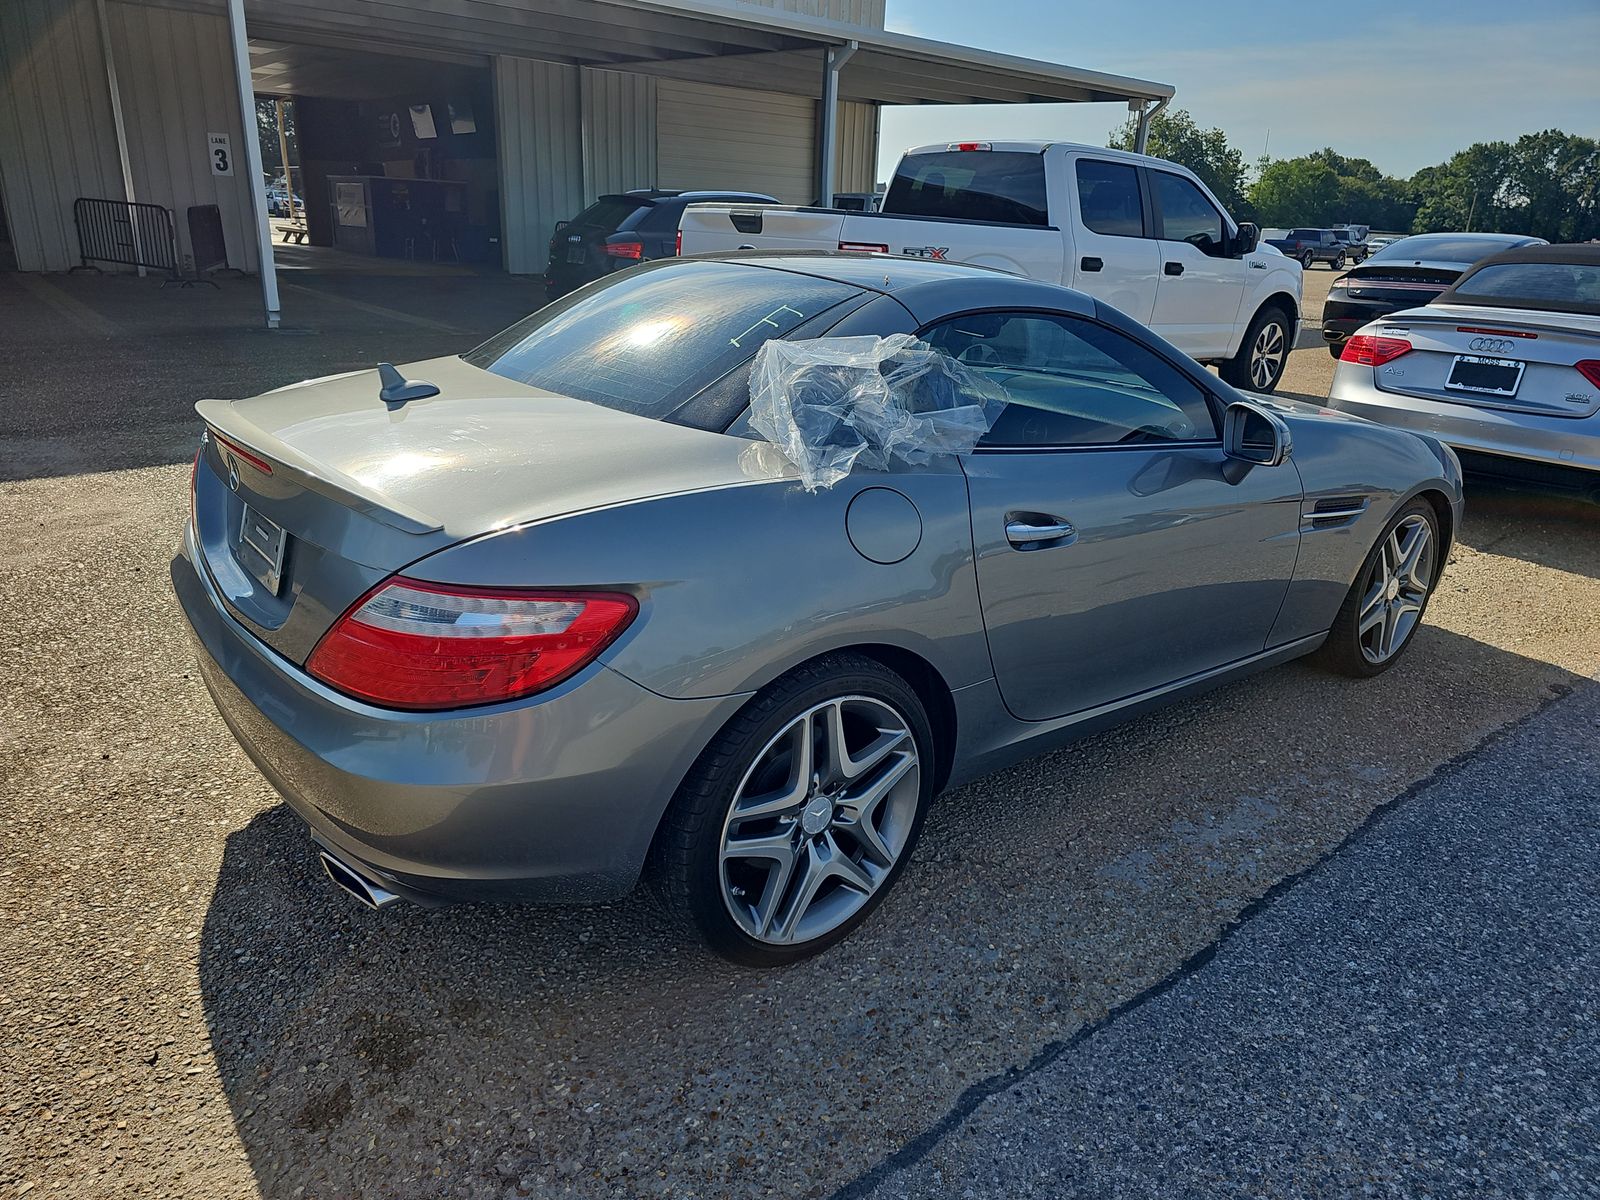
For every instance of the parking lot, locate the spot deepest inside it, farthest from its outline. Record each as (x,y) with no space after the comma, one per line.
(193,1011)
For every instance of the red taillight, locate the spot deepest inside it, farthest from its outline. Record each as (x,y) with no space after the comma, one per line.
(414,645)
(633,250)
(1589,368)
(865,247)
(255,460)
(677,246)
(1372,351)
(194,480)
(969,146)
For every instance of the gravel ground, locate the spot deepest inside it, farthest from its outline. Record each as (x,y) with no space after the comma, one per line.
(194,1012)
(1419,1015)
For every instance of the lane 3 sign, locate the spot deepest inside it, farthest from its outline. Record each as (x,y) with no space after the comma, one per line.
(220,150)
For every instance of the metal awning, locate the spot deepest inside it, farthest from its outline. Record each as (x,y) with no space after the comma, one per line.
(708,41)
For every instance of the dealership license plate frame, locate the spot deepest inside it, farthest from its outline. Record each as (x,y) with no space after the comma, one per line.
(1478,360)
(263,544)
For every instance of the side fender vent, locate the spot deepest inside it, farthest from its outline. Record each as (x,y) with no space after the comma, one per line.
(1333,512)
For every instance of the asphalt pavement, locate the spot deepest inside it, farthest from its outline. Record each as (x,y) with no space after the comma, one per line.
(1418,1014)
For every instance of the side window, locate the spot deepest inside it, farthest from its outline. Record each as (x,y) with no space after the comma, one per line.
(1186,215)
(1108,198)
(1071,382)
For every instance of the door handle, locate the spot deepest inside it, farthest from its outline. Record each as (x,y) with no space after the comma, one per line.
(1034,533)
(1090,264)
(1173,268)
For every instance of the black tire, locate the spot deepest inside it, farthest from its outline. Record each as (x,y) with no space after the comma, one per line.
(1338,261)
(1342,653)
(1236,370)
(1335,349)
(684,868)
(1306,260)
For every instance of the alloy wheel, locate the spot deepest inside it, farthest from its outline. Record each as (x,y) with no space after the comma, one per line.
(1266,355)
(819,820)
(1397,589)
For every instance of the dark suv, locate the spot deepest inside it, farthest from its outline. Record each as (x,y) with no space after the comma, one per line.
(622,229)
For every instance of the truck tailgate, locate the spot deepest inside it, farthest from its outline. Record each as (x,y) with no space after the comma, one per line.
(715,228)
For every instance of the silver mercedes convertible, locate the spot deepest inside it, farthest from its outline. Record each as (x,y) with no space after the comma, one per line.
(538,620)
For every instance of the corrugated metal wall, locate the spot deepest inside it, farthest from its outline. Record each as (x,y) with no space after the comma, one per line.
(855,161)
(619,131)
(168,109)
(537,106)
(57,141)
(857,12)
(708,136)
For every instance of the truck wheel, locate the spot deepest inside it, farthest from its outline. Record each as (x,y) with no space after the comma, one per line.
(1306,260)
(1262,355)
(1338,261)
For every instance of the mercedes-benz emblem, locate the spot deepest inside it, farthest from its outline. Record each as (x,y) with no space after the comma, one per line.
(233,473)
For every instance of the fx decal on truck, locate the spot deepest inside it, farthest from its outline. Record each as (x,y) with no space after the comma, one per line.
(934,252)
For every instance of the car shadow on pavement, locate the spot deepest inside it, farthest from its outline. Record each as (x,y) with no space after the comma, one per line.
(512,1051)
(1535,525)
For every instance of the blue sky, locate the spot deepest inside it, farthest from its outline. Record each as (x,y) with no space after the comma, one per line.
(1404,82)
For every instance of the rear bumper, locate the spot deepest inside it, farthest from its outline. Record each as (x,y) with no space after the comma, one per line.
(1554,441)
(553,799)
(1341,318)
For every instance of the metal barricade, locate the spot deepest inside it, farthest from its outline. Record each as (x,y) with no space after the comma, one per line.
(116,231)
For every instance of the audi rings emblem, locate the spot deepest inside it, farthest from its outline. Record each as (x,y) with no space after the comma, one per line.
(1488,345)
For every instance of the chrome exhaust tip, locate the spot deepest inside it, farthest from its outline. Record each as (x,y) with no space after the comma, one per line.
(371,894)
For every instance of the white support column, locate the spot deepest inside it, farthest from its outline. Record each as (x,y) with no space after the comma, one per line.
(120,127)
(1141,138)
(252,156)
(834,58)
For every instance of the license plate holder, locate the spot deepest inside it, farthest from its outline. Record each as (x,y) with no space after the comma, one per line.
(1485,376)
(261,548)
(575,254)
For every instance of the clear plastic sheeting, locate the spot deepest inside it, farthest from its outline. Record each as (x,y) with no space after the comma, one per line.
(831,404)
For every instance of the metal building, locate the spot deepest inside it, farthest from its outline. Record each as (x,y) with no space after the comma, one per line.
(526,109)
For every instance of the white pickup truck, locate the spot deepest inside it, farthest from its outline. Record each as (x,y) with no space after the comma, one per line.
(1139,233)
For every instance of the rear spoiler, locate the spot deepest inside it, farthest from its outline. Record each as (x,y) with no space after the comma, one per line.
(223,419)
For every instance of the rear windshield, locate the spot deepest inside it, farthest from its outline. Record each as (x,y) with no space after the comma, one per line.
(1560,287)
(971,185)
(647,341)
(608,213)
(1443,247)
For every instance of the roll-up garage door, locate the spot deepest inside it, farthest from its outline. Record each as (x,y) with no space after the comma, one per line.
(722,137)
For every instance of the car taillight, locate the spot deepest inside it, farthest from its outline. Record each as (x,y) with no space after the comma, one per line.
(633,250)
(194,482)
(1370,351)
(677,246)
(967,146)
(414,645)
(1589,368)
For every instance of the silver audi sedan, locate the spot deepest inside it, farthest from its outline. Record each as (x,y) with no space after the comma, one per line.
(543,618)
(1504,367)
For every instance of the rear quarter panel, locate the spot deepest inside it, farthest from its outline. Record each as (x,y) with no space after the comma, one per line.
(739,584)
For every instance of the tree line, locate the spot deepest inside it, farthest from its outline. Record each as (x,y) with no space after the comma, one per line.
(1543,184)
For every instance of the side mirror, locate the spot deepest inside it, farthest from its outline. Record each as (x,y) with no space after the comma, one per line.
(1247,239)
(1252,434)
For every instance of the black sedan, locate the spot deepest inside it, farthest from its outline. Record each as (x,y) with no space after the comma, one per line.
(620,230)
(1405,274)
